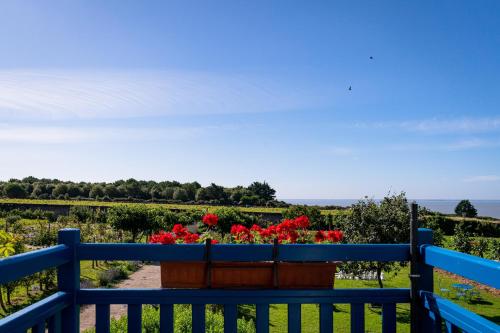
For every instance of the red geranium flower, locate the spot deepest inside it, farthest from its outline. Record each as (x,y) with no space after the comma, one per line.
(179,230)
(241,233)
(256,227)
(302,222)
(335,236)
(210,219)
(320,236)
(191,238)
(162,237)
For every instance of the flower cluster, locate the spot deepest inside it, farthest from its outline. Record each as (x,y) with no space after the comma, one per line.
(162,238)
(241,234)
(210,219)
(330,236)
(179,234)
(288,231)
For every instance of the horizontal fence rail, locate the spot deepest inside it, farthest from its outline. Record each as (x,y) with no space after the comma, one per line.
(21,265)
(455,317)
(46,312)
(207,296)
(475,268)
(234,252)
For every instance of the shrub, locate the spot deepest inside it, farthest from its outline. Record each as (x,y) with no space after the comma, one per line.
(134,219)
(313,213)
(182,321)
(107,277)
(461,241)
(480,247)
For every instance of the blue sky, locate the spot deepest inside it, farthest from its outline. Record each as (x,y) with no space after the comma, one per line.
(236,91)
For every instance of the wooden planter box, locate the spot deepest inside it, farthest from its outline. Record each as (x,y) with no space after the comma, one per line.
(248,275)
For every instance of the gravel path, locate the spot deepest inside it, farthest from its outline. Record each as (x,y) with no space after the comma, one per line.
(148,276)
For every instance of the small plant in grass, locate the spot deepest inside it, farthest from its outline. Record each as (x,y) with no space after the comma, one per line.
(480,247)
(461,240)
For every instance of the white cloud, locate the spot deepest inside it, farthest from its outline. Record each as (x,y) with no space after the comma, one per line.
(467,144)
(58,135)
(439,126)
(61,94)
(488,178)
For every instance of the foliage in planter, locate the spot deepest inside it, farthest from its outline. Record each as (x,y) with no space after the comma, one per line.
(229,216)
(288,231)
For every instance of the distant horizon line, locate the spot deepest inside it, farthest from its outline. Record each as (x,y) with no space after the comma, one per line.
(409,199)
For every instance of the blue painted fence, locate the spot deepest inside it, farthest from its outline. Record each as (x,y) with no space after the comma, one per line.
(60,311)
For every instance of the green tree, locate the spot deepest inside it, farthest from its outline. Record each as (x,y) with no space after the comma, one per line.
(134,219)
(387,223)
(466,209)
(15,190)
(97,191)
(111,191)
(180,194)
(262,190)
(60,189)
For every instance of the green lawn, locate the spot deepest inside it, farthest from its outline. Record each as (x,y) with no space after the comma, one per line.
(488,306)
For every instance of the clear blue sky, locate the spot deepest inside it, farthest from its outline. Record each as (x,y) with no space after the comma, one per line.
(236,91)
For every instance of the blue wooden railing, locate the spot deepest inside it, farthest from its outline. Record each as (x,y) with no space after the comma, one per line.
(60,311)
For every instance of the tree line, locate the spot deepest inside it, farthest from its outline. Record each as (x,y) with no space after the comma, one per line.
(256,194)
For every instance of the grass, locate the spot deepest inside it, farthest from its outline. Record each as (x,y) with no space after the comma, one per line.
(270,210)
(487,306)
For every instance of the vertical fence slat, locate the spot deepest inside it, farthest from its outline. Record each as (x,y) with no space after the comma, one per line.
(55,323)
(230,318)
(262,313)
(294,321)
(134,318)
(425,282)
(388,318)
(198,318)
(166,318)
(450,328)
(326,318)
(102,319)
(39,328)
(357,318)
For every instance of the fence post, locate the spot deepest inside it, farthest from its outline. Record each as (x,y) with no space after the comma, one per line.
(414,273)
(425,283)
(68,280)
